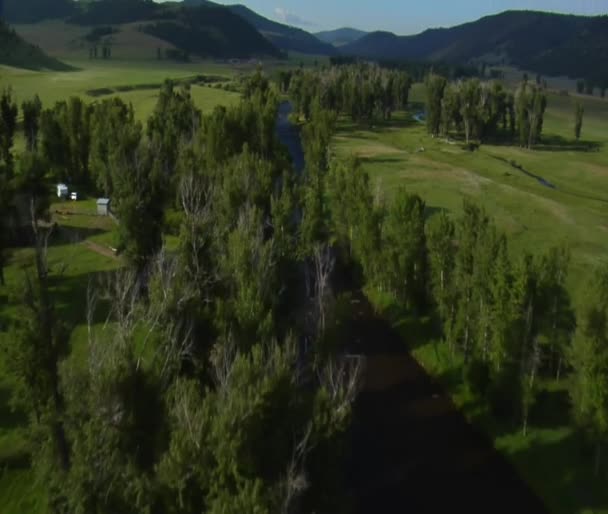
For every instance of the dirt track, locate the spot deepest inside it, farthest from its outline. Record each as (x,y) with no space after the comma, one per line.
(101,250)
(412,451)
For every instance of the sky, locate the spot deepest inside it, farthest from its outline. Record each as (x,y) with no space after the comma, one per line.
(402,16)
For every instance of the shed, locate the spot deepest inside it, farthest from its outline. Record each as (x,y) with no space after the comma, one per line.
(103,206)
(62,191)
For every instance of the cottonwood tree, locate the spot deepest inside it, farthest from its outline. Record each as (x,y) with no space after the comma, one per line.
(579,111)
(404,256)
(435,87)
(588,357)
(8,123)
(110,120)
(65,132)
(138,200)
(441,247)
(36,346)
(32,109)
(8,127)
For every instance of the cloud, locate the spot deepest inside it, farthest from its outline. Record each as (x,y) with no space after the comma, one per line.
(291,19)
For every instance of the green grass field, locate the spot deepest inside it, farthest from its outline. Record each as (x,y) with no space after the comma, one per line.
(535,217)
(55,86)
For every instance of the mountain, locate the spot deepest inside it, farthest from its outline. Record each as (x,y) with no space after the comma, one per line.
(285,37)
(32,11)
(340,37)
(548,43)
(14,51)
(205,30)
(212,32)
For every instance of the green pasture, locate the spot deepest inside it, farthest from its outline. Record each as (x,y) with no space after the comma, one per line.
(574,212)
(90,75)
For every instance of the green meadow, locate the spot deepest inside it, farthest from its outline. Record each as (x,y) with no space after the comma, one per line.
(144,77)
(574,212)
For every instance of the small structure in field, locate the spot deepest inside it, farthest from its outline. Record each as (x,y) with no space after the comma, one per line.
(103,206)
(62,191)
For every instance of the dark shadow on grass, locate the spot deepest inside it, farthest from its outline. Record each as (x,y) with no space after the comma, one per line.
(555,143)
(63,235)
(70,296)
(574,487)
(12,418)
(551,409)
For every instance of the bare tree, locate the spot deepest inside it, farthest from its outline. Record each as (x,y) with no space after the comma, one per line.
(341,378)
(324,262)
(296,481)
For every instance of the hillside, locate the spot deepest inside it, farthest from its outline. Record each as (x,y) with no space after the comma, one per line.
(340,37)
(15,51)
(289,39)
(32,11)
(548,43)
(208,30)
(212,32)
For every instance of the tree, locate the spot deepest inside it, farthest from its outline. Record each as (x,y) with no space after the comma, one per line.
(8,123)
(138,200)
(531,103)
(579,111)
(470,95)
(66,140)
(435,87)
(174,121)
(110,120)
(580,86)
(8,126)
(441,248)
(589,360)
(404,253)
(32,110)
(35,351)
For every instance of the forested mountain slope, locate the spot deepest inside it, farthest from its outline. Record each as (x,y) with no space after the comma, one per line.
(285,37)
(14,51)
(548,43)
(341,37)
(206,30)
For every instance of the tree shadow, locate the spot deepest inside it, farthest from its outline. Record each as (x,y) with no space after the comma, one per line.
(563,470)
(12,418)
(551,409)
(555,143)
(70,296)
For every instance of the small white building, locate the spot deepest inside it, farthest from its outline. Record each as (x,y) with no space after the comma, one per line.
(103,206)
(62,191)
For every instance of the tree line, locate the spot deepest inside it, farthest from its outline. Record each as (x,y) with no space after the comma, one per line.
(364,92)
(485,111)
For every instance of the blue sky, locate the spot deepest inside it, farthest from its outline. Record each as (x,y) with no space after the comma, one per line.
(402,16)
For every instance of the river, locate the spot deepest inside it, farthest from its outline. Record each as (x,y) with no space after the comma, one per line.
(411,450)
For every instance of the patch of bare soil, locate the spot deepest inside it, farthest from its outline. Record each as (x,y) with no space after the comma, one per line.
(101,250)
